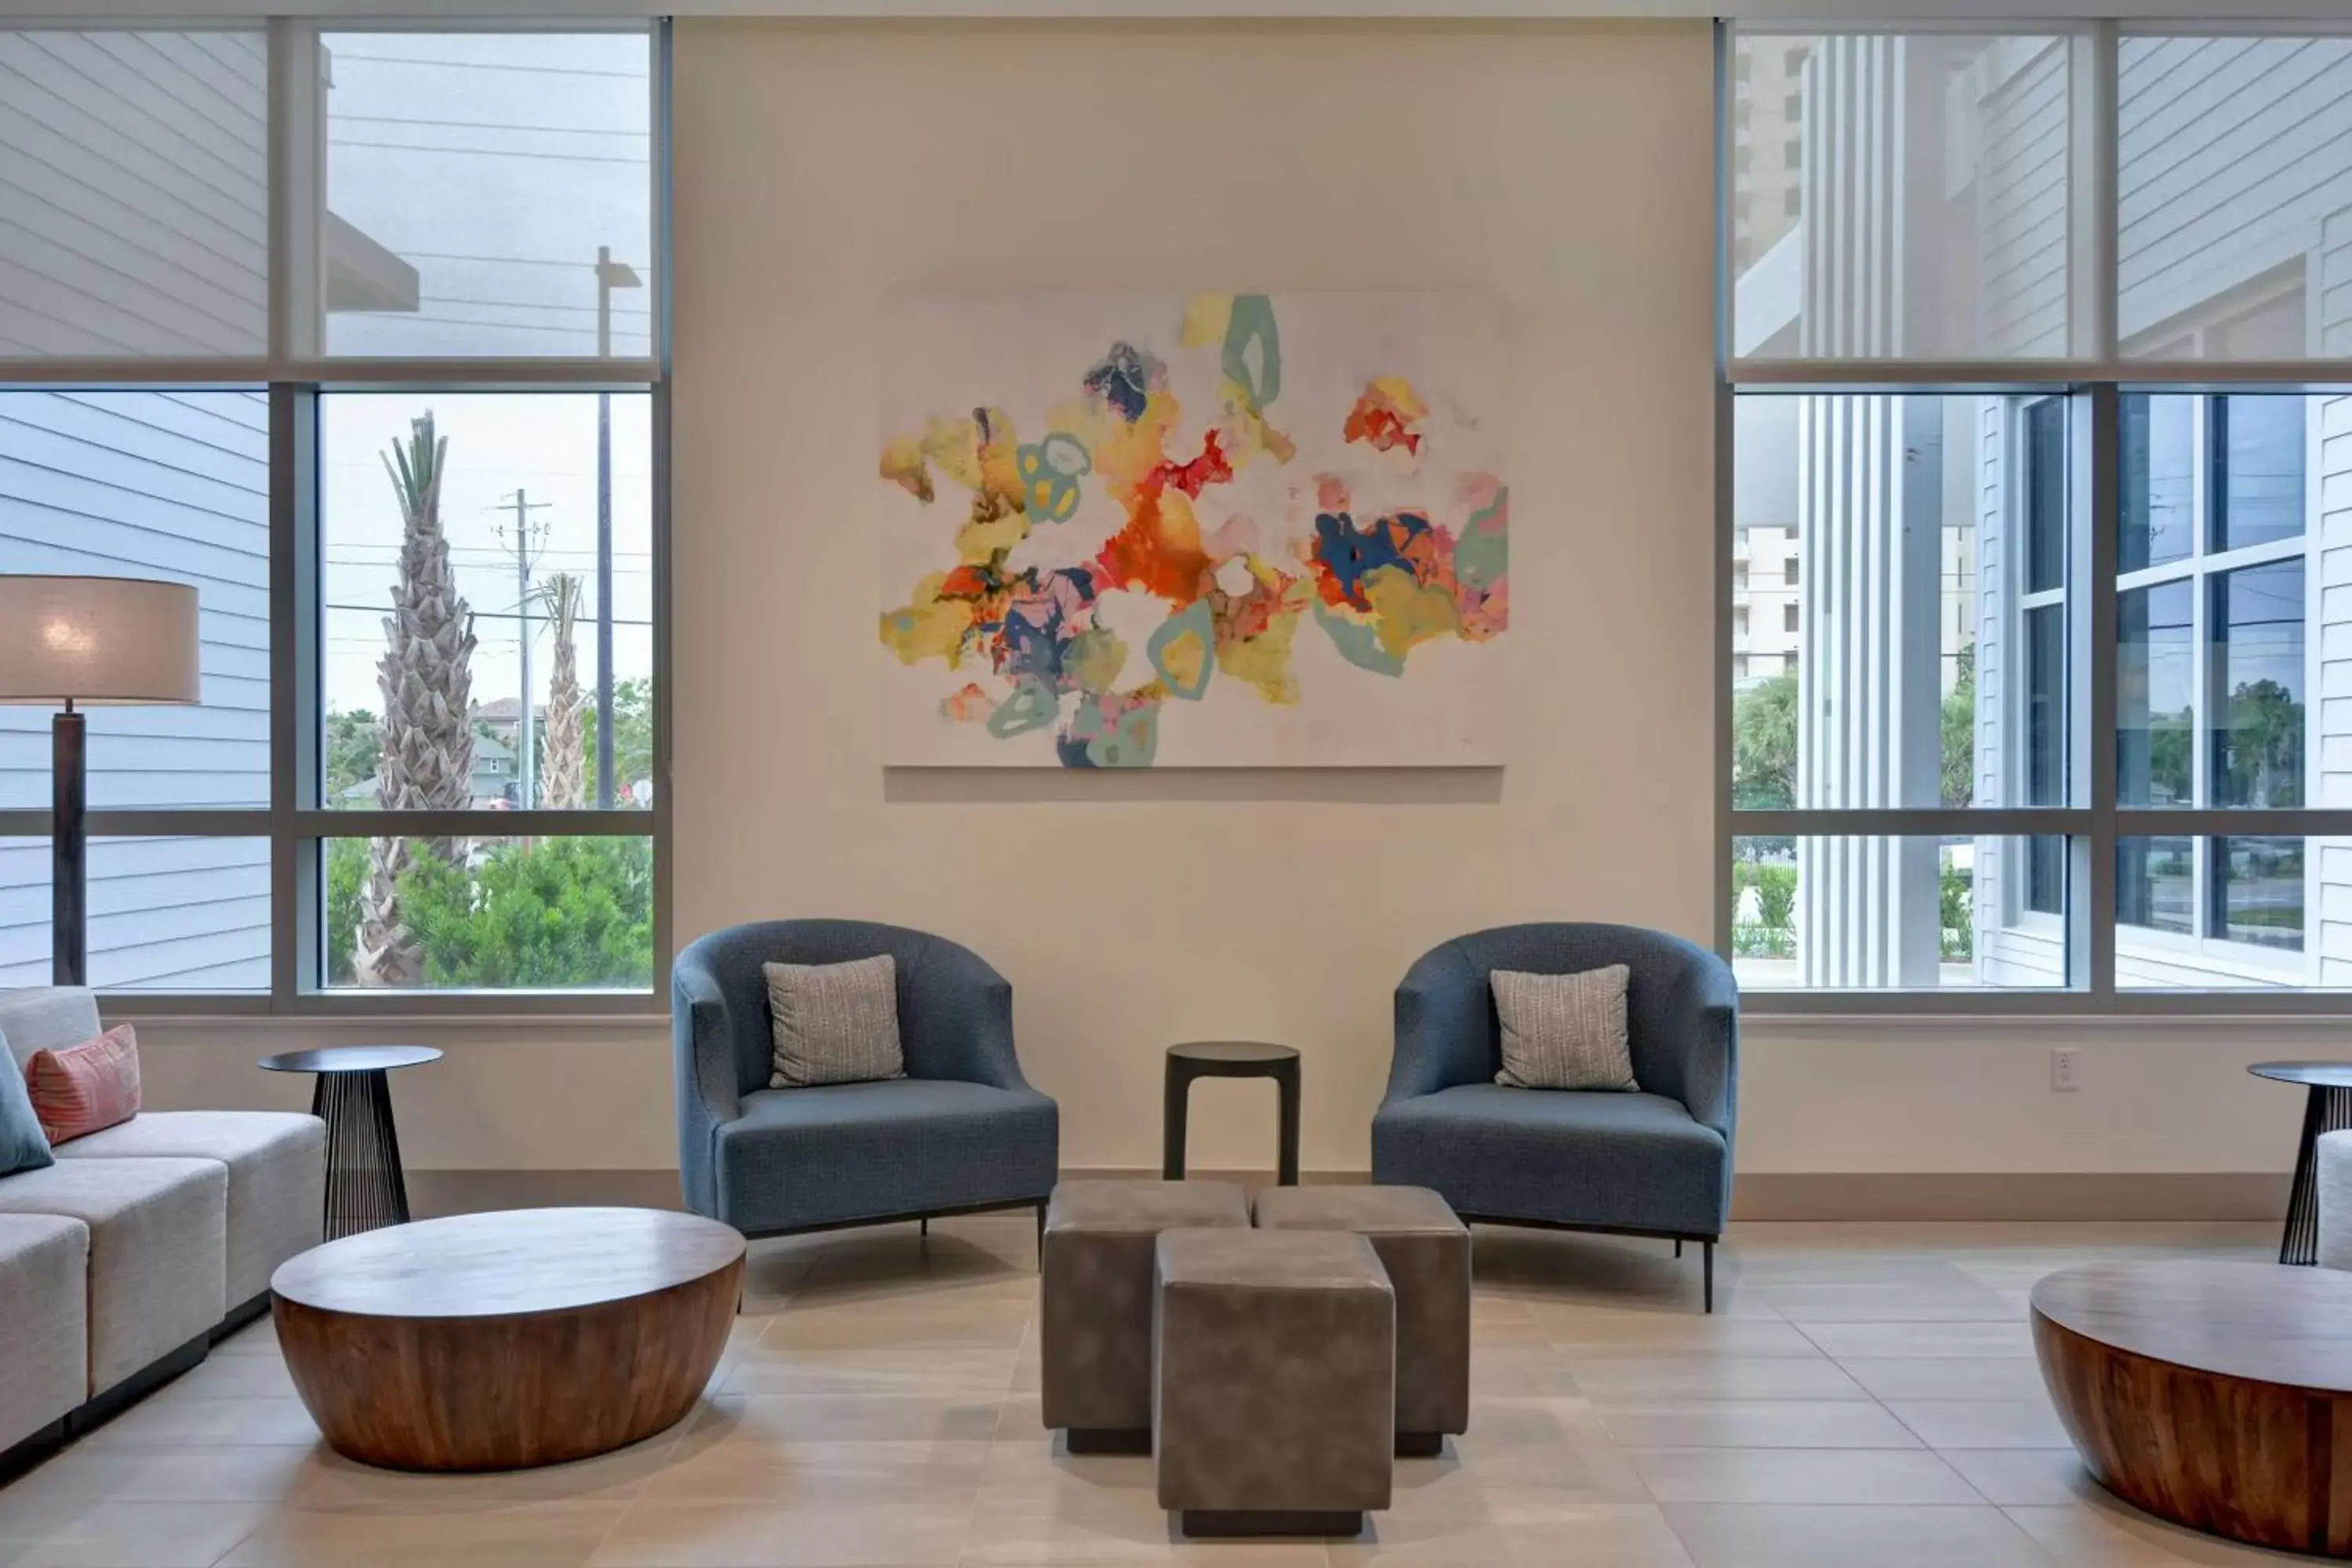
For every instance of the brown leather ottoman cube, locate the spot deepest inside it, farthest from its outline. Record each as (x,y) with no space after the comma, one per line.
(1426,1250)
(1273,1381)
(1095,1314)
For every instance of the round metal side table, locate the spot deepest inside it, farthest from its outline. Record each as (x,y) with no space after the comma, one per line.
(354,1097)
(1229,1059)
(2327,1108)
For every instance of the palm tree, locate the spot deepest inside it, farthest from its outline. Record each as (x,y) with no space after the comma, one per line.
(424,677)
(563,779)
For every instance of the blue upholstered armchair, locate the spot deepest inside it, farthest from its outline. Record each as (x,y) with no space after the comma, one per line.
(1657,1162)
(961,1132)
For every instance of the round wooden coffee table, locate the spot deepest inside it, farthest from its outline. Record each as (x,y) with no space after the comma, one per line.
(2217,1395)
(494,1342)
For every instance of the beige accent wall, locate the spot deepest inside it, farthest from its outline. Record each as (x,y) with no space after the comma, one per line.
(1564,169)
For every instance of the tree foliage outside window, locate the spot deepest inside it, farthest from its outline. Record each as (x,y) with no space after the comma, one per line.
(554,913)
(1764,745)
(633,740)
(1959,727)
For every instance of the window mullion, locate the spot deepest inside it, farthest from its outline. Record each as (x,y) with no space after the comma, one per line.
(2101,515)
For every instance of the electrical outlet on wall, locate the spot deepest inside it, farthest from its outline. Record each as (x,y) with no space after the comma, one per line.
(2062,1071)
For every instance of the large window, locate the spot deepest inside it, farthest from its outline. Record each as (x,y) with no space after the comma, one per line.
(2069,702)
(417,491)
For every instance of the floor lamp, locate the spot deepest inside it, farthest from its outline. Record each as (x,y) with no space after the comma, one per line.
(86,641)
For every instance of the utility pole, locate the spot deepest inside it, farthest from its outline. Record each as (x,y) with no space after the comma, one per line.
(524,539)
(609,275)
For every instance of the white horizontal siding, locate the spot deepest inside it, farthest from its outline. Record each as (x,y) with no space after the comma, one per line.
(171,485)
(2233,153)
(133,209)
(165,913)
(2021,210)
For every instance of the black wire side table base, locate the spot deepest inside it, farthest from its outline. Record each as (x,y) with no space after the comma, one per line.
(2326,1108)
(353,1095)
(365,1187)
(1228,1058)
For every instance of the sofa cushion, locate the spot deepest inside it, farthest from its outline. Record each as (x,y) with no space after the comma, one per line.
(45,1304)
(157,1246)
(43,1017)
(82,1089)
(864,1150)
(277,1164)
(1636,1161)
(24,1146)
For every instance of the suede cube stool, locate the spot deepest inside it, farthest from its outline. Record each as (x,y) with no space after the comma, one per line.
(1095,1314)
(1426,1251)
(1274,1381)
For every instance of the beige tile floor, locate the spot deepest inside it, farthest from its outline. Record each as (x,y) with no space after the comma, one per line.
(1864,1397)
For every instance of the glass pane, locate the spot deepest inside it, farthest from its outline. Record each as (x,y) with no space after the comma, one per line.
(165,914)
(1862,525)
(2155,675)
(2156,884)
(1886,913)
(2257,470)
(2227,912)
(2233,166)
(462,607)
(136,216)
(532,913)
(2045,706)
(2258,892)
(2256,745)
(2159,441)
(2045,495)
(489,194)
(1900,195)
(149,484)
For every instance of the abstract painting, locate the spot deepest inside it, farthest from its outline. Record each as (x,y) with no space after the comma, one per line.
(1227,531)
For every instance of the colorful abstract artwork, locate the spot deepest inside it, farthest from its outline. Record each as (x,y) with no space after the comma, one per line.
(1229,530)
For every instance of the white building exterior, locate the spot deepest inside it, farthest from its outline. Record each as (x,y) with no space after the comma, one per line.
(1939,175)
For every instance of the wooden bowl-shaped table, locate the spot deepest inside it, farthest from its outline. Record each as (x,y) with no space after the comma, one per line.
(494,1341)
(2217,1395)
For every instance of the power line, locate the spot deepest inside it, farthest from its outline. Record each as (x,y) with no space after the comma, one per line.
(334,141)
(485,125)
(489,66)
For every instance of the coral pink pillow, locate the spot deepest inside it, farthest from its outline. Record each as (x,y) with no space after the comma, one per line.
(83,1088)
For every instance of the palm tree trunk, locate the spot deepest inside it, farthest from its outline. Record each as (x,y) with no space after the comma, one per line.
(428,736)
(563,781)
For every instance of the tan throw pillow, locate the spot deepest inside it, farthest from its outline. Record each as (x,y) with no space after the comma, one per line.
(1564,1031)
(834,1023)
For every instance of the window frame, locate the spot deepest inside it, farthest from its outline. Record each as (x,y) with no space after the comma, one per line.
(2094,377)
(296,374)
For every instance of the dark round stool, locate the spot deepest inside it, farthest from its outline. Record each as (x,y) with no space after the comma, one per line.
(364,1187)
(1229,1059)
(2327,1108)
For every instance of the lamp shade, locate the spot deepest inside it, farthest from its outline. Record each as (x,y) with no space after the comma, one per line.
(97,640)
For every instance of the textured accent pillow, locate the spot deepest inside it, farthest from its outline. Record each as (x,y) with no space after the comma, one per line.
(77,1089)
(834,1023)
(1564,1031)
(23,1145)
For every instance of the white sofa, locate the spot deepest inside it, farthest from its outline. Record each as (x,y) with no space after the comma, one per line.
(123,1261)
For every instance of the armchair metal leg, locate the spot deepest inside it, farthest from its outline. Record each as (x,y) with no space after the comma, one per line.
(1041,1236)
(1708,1251)
(1678,1246)
(923,1224)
